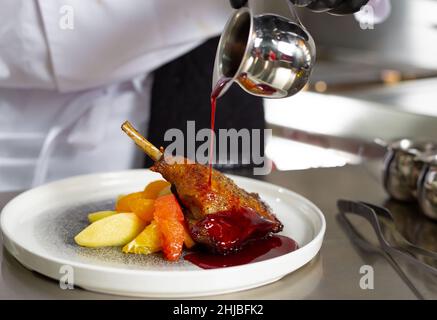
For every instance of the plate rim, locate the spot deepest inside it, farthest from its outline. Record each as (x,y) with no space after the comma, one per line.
(172,273)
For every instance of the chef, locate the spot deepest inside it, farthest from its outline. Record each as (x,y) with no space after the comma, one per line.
(71,71)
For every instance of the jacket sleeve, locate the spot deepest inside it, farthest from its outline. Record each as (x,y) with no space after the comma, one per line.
(77,45)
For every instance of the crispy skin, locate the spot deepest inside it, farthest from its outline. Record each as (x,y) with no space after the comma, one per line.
(200,199)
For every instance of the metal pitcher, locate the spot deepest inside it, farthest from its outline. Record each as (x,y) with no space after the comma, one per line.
(268,52)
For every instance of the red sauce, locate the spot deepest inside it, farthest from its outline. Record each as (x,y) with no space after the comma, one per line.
(259,88)
(253,251)
(240,235)
(215,93)
(265,89)
(228,231)
(218,88)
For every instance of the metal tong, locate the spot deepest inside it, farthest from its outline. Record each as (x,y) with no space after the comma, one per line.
(383,225)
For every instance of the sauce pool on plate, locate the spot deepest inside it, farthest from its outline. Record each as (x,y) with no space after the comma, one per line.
(254,251)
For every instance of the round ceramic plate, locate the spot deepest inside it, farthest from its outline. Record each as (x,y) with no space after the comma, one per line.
(39,225)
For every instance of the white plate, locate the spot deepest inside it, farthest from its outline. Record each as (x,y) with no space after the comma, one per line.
(38,227)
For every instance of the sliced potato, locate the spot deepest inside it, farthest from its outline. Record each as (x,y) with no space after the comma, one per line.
(95,216)
(115,230)
(146,242)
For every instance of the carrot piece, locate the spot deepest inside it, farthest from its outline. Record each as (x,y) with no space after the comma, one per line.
(124,202)
(153,189)
(170,219)
(143,208)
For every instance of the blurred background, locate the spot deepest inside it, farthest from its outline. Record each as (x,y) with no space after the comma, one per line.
(367,84)
(64,93)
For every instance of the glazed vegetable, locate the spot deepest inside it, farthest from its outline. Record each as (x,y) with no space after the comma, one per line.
(143,222)
(148,241)
(170,219)
(143,208)
(95,216)
(115,230)
(154,188)
(124,202)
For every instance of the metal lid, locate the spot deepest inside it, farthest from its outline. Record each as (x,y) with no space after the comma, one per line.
(415,147)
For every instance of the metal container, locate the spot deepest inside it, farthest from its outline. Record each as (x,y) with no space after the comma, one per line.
(269,54)
(427,187)
(403,165)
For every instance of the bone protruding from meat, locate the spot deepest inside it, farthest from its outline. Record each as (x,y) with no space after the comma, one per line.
(145,145)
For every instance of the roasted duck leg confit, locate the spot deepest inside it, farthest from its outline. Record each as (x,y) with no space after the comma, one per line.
(220,215)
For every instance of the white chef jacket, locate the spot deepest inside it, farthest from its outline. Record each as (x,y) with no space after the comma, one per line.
(65,89)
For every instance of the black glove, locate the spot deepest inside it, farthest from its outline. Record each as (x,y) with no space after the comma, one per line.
(237,4)
(337,7)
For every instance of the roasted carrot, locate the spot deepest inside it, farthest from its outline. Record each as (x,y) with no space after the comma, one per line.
(124,202)
(153,189)
(170,219)
(143,208)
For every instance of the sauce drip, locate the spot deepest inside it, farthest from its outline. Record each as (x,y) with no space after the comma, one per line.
(254,251)
(216,91)
(240,234)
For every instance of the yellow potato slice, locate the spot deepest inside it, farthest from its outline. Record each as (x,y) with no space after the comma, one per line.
(99,215)
(115,230)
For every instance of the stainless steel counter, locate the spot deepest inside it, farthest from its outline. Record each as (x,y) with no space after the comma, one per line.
(334,274)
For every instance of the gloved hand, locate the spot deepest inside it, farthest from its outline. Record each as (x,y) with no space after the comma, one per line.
(337,7)
(237,4)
